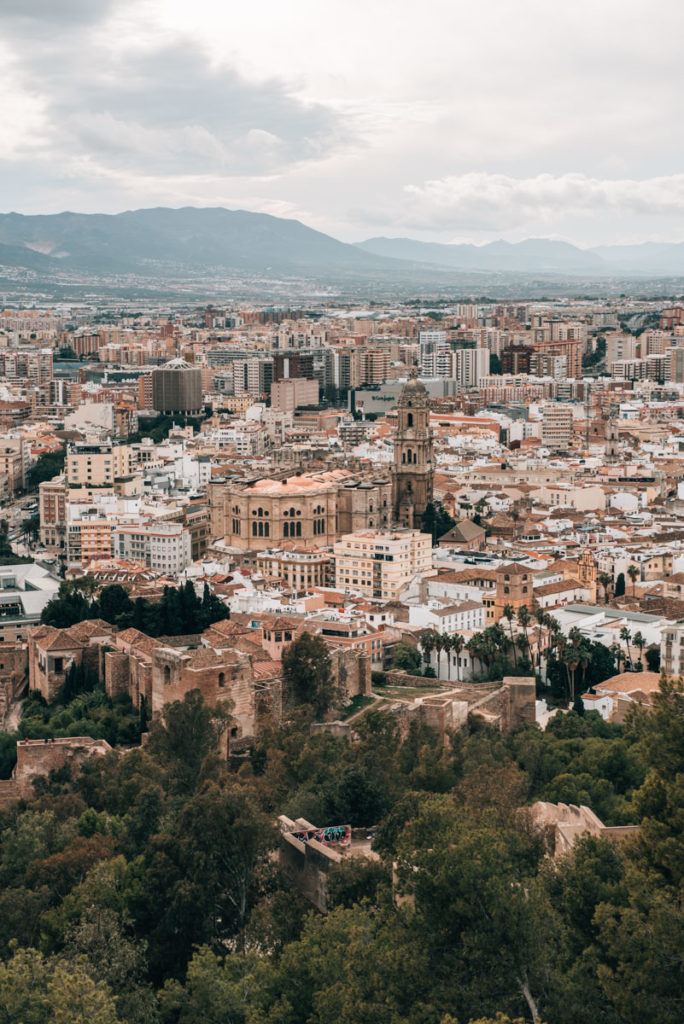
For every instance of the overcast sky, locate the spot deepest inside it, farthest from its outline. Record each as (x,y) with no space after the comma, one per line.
(444,120)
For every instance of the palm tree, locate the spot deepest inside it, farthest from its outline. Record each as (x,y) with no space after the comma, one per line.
(474,648)
(427,643)
(627,636)
(605,579)
(439,647)
(575,637)
(585,662)
(571,658)
(509,615)
(634,574)
(524,622)
(446,645)
(540,615)
(640,643)
(457,645)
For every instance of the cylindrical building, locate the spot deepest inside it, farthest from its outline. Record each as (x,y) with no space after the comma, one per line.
(177,388)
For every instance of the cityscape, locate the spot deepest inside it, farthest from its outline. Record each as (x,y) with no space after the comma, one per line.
(341,513)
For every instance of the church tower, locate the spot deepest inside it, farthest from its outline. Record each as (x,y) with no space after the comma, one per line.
(412,468)
(588,573)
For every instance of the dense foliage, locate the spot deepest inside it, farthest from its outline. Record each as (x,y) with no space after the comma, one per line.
(47,466)
(7,555)
(145,889)
(179,612)
(436,520)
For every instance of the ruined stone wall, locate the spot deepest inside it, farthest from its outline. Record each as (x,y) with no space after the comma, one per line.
(174,674)
(37,758)
(351,670)
(117,674)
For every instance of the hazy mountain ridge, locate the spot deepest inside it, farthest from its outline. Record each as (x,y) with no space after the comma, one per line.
(537,255)
(165,243)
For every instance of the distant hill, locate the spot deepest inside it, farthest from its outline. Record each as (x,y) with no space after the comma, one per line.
(535,255)
(204,243)
(163,241)
(538,256)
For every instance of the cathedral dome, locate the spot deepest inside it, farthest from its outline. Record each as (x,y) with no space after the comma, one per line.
(414,392)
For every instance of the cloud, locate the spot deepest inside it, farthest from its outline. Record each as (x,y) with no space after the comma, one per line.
(155,108)
(480,201)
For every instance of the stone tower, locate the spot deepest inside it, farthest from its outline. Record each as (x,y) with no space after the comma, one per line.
(412,468)
(588,573)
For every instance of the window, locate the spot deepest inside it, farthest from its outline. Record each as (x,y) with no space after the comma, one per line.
(409,420)
(167,675)
(222,679)
(59,664)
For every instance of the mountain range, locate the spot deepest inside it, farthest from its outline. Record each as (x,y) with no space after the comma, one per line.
(539,255)
(204,242)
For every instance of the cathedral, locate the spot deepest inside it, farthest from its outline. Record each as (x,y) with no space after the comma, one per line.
(413,466)
(313,509)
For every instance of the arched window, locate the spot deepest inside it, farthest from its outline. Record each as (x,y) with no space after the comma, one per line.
(403,458)
(222,679)
(409,420)
(286,529)
(415,458)
(267,529)
(167,675)
(260,511)
(261,529)
(299,529)
(254,529)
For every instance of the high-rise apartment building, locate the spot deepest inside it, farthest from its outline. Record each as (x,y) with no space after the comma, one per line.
(556,425)
(95,464)
(471,365)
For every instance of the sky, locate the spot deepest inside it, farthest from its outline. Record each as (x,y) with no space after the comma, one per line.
(443,120)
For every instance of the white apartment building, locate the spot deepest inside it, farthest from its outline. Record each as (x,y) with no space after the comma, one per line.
(445,617)
(380,563)
(471,365)
(164,546)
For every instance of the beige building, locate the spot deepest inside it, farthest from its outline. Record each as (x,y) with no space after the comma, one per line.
(95,465)
(292,393)
(379,564)
(13,465)
(299,569)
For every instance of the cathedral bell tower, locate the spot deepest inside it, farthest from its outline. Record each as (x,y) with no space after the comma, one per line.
(413,467)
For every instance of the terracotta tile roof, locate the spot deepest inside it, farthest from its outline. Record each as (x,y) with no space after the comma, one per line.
(60,640)
(267,669)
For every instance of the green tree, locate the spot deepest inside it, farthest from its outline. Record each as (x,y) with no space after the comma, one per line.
(47,466)
(49,990)
(605,579)
(427,644)
(186,736)
(436,520)
(634,573)
(115,605)
(307,674)
(407,657)
(620,585)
